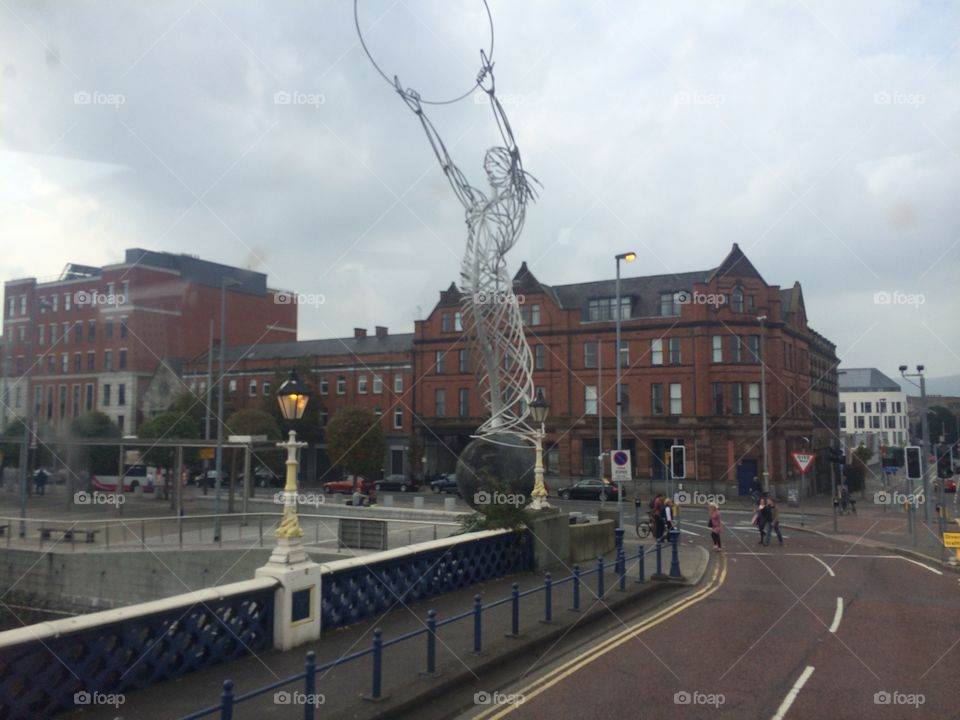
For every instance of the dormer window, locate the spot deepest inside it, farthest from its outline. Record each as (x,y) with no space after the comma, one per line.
(670,303)
(606,308)
(736,300)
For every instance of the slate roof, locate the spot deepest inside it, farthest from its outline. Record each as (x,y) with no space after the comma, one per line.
(401,342)
(865,380)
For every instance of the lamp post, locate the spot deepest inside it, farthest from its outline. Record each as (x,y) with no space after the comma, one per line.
(292,397)
(539,408)
(218,465)
(925,429)
(629,257)
(763,405)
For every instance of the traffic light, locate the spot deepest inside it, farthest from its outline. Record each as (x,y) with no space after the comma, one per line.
(914,464)
(678,465)
(837,456)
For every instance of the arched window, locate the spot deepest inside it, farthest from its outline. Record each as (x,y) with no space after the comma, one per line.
(736,300)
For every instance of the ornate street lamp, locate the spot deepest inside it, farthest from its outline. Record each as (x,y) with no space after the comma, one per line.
(539,409)
(292,397)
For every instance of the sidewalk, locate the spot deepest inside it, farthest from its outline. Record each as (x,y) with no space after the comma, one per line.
(405,687)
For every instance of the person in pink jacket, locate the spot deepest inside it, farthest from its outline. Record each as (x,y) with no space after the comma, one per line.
(715,523)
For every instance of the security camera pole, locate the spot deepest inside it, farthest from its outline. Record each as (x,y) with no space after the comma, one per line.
(925,429)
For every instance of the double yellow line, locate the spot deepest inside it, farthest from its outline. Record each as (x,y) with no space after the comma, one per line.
(550,679)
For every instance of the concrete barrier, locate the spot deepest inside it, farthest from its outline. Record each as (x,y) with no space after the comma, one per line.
(589,540)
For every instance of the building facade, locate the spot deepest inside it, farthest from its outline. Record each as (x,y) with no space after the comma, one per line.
(691,349)
(94,337)
(873,410)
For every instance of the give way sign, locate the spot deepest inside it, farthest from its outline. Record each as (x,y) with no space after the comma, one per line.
(802,460)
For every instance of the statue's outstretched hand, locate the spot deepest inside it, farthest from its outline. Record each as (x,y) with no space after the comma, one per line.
(410,96)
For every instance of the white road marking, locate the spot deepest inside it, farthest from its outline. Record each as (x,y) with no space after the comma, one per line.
(837,615)
(844,555)
(829,569)
(917,562)
(792,695)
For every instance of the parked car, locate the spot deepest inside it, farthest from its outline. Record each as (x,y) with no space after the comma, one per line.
(344,486)
(397,482)
(265,477)
(210,476)
(589,489)
(445,484)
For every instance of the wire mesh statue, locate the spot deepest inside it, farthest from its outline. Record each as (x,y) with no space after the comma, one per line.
(494,221)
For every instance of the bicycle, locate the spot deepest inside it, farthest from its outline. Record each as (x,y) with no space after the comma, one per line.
(644,527)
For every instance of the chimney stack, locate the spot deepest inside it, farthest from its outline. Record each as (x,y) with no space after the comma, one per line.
(359,333)
(381,331)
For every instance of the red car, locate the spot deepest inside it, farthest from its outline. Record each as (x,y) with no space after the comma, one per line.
(345,486)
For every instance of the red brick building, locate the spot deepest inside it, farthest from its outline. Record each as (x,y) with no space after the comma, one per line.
(371,371)
(690,345)
(94,337)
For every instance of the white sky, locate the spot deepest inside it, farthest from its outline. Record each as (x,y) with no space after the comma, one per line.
(821,136)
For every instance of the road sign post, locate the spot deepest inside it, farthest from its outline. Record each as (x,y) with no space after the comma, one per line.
(620,472)
(803,461)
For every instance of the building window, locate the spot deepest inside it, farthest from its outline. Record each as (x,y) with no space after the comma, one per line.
(232,387)
(91,330)
(843,423)
(377,384)
(445,324)
(717,398)
(323,416)
(65,362)
(122,359)
(754,398)
(362,384)
(590,400)
(669,304)
(324,385)
(125,291)
(535,314)
(52,362)
(123,327)
(736,300)
(463,402)
(458,322)
(50,400)
(656,399)
(20,364)
(266,388)
(858,422)
(438,361)
(253,388)
(656,351)
(106,395)
(874,422)
(843,407)
(674,346)
(624,354)
(624,399)
(866,408)
(750,305)
(606,308)
(53,333)
(107,360)
(717,355)
(63,402)
(65,332)
(590,354)
(88,403)
(40,334)
(539,357)
(398,383)
(753,348)
(78,332)
(734,348)
(108,329)
(524,315)
(203,387)
(75,406)
(54,304)
(882,407)
(38,400)
(120,422)
(21,334)
(398,419)
(78,362)
(737,397)
(676,399)
(66,301)
(440,402)
(42,304)
(341,385)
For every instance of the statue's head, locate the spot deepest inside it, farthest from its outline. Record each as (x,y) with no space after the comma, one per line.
(498,165)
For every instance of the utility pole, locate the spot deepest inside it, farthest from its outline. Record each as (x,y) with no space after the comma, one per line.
(763,405)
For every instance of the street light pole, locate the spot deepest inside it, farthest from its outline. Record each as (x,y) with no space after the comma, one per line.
(629,257)
(538,411)
(925,432)
(763,405)
(218,467)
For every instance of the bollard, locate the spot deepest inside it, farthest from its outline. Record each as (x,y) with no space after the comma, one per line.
(477,624)
(659,562)
(619,538)
(377,663)
(675,558)
(600,577)
(515,611)
(226,701)
(310,686)
(431,643)
(547,599)
(576,588)
(622,569)
(640,555)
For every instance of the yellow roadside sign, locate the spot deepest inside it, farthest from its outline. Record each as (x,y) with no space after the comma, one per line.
(951,539)
(207,453)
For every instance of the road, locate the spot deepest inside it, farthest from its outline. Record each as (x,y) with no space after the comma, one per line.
(814,629)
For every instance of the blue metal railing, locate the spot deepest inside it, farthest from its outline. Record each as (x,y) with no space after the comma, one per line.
(432,625)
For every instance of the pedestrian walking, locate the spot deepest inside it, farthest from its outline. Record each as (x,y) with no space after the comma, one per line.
(667,519)
(775,520)
(715,523)
(40,481)
(657,506)
(765,521)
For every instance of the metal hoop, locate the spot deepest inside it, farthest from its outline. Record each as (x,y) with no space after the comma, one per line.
(476,84)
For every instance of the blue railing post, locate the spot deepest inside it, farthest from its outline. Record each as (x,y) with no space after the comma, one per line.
(226,701)
(600,577)
(675,559)
(618,533)
(622,569)
(515,610)
(377,664)
(477,623)
(547,598)
(431,642)
(640,555)
(576,588)
(310,686)
(659,560)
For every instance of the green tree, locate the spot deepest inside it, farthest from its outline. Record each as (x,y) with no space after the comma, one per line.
(97,459)
(170,425)
(13,437)
(863,454)
(253,422)
(942,422)
(355,441)
(191,404)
